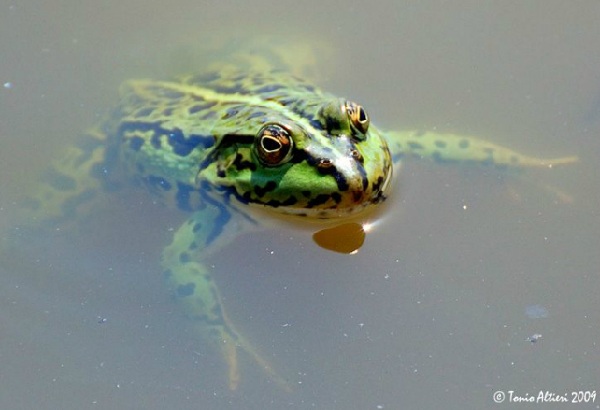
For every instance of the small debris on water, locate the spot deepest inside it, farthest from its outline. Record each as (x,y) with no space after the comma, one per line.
(534,338)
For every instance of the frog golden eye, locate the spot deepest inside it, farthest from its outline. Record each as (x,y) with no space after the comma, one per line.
(359,120)
(273,145)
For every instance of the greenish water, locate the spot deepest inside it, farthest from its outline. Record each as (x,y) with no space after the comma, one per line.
(433,311)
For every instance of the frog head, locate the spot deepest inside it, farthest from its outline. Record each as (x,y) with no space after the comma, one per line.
(321,160)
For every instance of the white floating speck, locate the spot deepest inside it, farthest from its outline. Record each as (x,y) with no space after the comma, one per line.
(7,85)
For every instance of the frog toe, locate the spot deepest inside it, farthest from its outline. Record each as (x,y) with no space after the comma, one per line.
(229,351)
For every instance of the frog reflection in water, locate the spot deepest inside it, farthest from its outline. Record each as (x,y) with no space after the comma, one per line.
(231,138)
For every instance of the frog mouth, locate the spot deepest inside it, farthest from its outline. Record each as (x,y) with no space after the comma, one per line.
(340,204)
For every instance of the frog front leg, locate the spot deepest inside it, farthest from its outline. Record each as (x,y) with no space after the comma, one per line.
(198,294)
(467,149)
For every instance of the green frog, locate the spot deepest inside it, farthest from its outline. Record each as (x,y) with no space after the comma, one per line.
(234,137)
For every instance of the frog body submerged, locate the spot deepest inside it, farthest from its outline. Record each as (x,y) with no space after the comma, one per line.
(216,143)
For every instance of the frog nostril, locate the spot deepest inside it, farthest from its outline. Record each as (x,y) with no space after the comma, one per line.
(325,166)
(357,155)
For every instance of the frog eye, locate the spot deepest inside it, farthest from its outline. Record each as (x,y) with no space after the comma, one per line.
(359,120)
(273,145)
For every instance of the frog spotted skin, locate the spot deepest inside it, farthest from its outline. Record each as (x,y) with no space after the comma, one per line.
(218,143)
(261,139)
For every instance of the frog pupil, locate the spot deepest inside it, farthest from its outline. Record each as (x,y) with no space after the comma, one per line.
(362,115)
(270,144)
(273,145)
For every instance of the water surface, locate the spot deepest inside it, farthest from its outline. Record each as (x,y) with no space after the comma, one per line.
(432,312)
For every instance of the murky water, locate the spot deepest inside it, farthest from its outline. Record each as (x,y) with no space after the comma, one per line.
(434,311)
